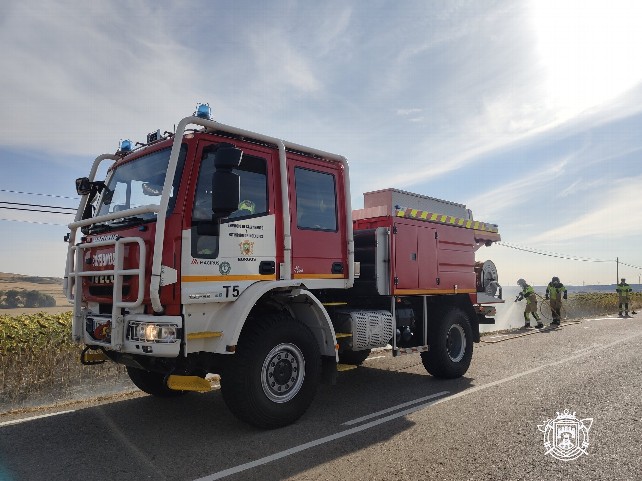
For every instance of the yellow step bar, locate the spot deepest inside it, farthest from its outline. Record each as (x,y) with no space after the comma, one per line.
(345,367)
(188,383)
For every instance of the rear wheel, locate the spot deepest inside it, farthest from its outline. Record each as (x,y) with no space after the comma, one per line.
(272,378)
(451,346)
(152,383)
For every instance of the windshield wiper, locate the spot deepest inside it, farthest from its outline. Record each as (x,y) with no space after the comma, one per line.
(128,221)
(95,229)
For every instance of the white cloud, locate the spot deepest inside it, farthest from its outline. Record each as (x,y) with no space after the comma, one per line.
(406,112)
(281,65)
(588,49)
(75,74)
(614,216)
(517,193)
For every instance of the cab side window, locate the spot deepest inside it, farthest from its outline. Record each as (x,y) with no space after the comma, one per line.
(253,199)
(316,203)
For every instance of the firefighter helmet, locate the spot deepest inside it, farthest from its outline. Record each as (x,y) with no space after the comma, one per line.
(521,283)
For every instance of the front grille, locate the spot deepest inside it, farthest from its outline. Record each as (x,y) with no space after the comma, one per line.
(103,286)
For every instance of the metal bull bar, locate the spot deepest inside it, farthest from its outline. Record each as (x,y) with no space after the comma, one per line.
(74,288)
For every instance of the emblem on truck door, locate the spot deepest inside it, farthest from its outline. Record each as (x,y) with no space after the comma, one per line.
(224,268)
(247,247)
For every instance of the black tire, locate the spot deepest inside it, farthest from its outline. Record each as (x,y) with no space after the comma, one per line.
(353,357)
(272,378)
(451,346)
(152,383)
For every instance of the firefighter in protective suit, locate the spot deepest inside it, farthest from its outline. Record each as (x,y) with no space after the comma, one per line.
(554,291)
(528,293)
(624,293)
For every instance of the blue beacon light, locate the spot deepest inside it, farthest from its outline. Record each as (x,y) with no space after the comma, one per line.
(203,111)
(125,145)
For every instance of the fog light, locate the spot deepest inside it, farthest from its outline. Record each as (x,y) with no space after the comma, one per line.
(148,332)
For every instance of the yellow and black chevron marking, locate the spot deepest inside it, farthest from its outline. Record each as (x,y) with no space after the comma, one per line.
(445,219)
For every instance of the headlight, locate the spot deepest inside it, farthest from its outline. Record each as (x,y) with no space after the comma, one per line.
(149,332)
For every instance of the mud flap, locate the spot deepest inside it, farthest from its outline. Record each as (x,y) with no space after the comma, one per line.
(328,370)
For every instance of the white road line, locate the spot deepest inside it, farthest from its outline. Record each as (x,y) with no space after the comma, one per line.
(311,444)
(395,408)
(297,449)
(577,355)
(32,418)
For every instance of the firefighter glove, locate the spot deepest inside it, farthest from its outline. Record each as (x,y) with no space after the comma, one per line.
(565,295)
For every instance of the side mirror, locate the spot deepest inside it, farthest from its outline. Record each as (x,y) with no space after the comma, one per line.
(83,186)
(226,185)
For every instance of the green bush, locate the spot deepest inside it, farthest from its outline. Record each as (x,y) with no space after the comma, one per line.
(14,298)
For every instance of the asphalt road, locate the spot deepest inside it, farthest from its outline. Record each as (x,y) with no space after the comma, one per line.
(388,420)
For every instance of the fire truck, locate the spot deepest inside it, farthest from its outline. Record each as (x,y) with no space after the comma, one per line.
(216,250)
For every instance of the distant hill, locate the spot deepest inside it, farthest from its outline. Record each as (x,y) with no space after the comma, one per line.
(8,278)
(50,286)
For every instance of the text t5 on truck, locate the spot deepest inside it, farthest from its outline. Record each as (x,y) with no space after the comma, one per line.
(219,250)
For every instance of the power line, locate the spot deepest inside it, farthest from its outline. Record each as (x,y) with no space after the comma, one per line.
(43,211)
(37,205)
(553,254)
(629,265)
(36,193)
(562,256)
(32,222)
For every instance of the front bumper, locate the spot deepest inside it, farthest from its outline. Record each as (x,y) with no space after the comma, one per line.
(142,334)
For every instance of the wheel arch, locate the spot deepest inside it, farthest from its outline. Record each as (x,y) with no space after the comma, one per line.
(300,303)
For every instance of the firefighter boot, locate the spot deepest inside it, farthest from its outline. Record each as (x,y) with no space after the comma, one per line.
(556,322)
(539,321)
(527,322)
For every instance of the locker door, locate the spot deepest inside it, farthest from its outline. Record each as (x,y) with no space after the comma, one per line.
(427,258)
(406,265)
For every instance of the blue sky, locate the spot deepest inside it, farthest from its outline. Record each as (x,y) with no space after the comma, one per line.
(528,112)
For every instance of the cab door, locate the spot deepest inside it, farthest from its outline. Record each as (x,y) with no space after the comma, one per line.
(317,211)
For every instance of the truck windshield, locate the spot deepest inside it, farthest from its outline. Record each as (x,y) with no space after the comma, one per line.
(135,184)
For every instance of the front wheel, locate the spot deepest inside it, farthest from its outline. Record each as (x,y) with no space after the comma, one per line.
(272,378)
(451,346)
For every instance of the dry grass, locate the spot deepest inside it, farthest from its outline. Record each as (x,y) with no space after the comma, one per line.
(597,304)
(38,361)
